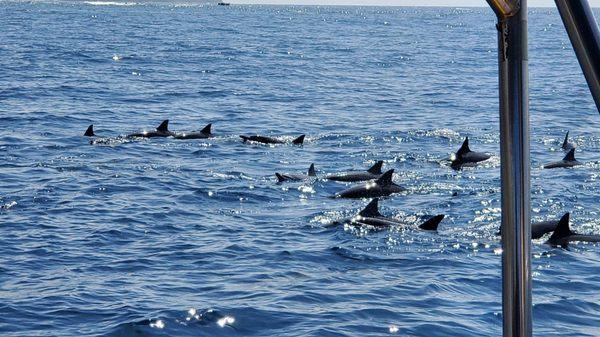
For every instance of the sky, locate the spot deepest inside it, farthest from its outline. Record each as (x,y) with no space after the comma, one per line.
(453,3)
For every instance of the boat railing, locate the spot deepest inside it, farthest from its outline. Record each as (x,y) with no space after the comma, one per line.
(583,32)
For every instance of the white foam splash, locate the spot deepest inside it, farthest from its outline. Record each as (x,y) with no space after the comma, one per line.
(227,320)
(159,324)
(306,189)
(8,205)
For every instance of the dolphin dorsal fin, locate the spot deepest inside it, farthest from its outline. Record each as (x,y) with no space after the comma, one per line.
(280,178)
(90,131)
(386,178)
(565,143)
(376,169)
(372,209)
(570,156)
(562,228)
(311,170)
(206,129)
(432,224)
(299,140)
(164,126)
(464,148)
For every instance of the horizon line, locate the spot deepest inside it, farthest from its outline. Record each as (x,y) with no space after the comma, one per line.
(355,5)
(350,3)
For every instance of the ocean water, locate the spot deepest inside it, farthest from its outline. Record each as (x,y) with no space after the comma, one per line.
(166,237)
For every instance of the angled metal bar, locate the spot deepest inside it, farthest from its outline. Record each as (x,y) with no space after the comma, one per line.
(578,18)
(504,8)
(515,167)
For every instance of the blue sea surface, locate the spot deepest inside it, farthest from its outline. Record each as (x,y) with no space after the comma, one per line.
(166,237)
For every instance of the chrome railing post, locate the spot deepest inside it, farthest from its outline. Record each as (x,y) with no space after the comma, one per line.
(515,166)
(584,34)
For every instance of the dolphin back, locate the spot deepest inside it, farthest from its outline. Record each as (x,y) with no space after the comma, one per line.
(164,126)
(386,178)
(311,170)
(90,131)
(565,144)
(568,161)
(207,129)
(570,156)
(376,169)
(299,140)
(353,177)
(464,148)
(433,223)
(372,209)
(561,231)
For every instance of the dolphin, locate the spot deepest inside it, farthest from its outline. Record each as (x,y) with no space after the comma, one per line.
(539,229)
(370,216)
(464,156)
(568,161)
(381,187)
(281,177)
(563,235)
(354,176)
(90,131)
(271,140)
(161,131)
(204,133)
(566,146)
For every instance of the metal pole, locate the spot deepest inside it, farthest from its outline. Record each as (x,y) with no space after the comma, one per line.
(515,167)
(584,34)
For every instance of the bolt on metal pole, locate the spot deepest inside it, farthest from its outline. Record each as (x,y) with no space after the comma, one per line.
(515,166)
(584,34)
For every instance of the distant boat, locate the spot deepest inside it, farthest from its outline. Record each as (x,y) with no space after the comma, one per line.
(221,3)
